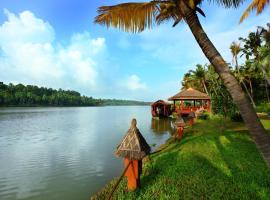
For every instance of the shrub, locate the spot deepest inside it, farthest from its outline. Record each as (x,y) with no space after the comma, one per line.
(236,117)
(204,116)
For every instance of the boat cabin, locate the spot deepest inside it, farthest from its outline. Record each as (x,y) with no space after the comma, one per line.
(161,108)
(190,100)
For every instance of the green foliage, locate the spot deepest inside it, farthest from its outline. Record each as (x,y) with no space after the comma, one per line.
(204,116)
(236,117)
(29,95)
(253,75)
(223,103)
(263,108)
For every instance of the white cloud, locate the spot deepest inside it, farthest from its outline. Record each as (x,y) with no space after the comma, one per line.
(134,83)
(30,55)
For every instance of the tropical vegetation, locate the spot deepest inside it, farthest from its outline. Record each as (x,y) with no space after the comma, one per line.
(30,95)
(252,74)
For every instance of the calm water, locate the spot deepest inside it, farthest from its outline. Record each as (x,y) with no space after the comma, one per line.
(66,153)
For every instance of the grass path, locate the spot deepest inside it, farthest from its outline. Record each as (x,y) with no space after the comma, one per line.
(213,161)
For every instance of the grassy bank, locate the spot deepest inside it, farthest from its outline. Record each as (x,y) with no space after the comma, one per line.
(214,160)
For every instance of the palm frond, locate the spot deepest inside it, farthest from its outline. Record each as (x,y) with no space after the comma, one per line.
(256,4)
(261,5)
(168,11)
(129,17)
(228,3)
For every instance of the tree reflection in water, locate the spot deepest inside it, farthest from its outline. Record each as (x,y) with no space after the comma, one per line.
(163,126)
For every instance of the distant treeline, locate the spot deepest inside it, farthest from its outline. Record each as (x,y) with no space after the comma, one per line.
(30,95)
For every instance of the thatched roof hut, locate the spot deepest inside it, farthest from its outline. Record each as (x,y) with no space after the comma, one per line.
(161,108)
(133,145)
(190,94)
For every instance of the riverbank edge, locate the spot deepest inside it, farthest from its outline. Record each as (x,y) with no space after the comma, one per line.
(109,186)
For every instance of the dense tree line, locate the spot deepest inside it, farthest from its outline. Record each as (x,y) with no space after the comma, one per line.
(30,95)
(252,74)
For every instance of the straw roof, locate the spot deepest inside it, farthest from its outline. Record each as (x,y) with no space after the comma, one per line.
(133,145)
(179,121)
(160,102)
(189,94)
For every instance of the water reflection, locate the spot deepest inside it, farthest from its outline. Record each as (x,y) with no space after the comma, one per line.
(162,126)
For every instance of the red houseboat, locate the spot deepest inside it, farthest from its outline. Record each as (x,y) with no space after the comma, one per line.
(161,108)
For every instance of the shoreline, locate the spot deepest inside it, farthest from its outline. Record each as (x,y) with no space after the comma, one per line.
(42,106)
(106,188)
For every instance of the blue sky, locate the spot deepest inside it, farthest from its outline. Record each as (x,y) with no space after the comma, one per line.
(54,43)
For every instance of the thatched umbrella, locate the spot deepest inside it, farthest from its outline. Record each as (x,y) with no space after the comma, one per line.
(133,149)
(133,145)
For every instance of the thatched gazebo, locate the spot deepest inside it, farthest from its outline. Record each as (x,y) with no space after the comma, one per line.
(191,100)
(133,149)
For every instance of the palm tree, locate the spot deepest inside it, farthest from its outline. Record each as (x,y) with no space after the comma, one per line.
(200,75)
(235,50)
(188,81)
(136,17)
(264,52)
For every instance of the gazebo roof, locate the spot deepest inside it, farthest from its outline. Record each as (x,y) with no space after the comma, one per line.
(189,94)
(133,145)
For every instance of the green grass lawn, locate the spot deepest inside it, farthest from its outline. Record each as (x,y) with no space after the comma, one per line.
(214,160)
(266,122)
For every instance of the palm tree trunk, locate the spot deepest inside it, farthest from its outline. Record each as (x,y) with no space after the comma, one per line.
(266,88)
(214,88)
(250,97)
(247,111)
(236,64)
(205,88)
(251,87)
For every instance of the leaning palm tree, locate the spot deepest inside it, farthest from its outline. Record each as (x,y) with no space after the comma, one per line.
(235,50)
(136,17)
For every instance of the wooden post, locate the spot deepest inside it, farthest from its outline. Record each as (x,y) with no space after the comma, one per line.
(118,181)
(180,132)
(209,106)
(133,173)
(191,121)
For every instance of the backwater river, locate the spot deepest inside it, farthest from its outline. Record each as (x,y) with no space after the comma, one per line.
(56,153)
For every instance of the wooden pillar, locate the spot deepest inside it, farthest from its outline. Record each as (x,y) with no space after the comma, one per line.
(133,173)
